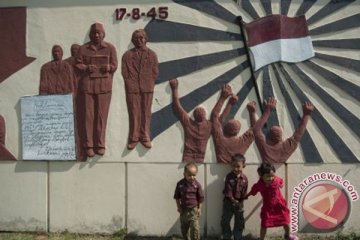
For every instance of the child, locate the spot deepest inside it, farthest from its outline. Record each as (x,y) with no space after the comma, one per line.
(274,211)
(236,185)
(189,199)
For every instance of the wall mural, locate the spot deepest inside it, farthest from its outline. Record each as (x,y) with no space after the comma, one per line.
(94,63)
(176,32)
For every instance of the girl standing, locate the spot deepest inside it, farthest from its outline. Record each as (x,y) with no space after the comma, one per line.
(274,212)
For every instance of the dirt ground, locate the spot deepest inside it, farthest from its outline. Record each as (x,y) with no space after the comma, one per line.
(121,236)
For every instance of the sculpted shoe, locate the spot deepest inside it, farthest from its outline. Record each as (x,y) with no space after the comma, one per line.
(90,152)
(100,151)
(132,145)
(146,144)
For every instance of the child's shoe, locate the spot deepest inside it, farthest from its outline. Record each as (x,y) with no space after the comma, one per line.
(292,237)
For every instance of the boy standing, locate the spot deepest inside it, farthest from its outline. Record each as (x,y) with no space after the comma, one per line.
(189,198)
(235,190)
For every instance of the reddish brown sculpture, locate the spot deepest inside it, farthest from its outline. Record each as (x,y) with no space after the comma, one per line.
(272,148)
(56,76)
(197,132)
(78,105)
(2,130)
(4,153)
(13,41)
(139,69)
(74,49)
(97,62)
(226,141)
(72,61)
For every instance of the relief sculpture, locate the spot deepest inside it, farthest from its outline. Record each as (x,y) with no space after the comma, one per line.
(97,61)
(139,69)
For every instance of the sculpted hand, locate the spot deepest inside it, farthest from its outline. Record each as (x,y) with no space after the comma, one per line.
(226,91)
(308,108)
(233,99)
(251,106)
(105,68)
(174,84)
(270,103)
(91,68)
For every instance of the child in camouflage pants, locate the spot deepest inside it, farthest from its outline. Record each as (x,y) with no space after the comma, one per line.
(189,197)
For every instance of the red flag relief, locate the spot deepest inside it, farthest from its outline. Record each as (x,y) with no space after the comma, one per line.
(277,38)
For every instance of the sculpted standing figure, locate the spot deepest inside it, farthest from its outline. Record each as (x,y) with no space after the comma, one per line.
(4,153)
(98,61)
(139,69)
(79,105)
(56,76)
(73,51)
(72,61)
(197,131)
(272,148)
(226,141)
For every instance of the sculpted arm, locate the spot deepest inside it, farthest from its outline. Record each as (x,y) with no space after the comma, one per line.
(270,104)
(43,88)
(251,107)
(79,61)
(113,60)
(225,93)
(308,108)
(176,102)
(155,68)
(232,100)
(124,68)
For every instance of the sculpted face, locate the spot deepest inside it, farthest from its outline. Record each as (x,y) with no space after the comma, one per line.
(232,128)
(57,53)
(97,33)
(139,38)
(74,49)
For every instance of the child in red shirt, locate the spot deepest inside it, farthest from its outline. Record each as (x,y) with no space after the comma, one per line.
(274,212)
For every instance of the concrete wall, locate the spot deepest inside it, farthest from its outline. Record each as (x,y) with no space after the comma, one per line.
(105,197)
(134,189)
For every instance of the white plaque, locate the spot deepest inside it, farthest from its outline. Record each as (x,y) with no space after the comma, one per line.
(47,124)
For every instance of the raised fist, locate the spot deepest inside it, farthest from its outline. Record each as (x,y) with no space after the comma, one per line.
(226,91)
(251,106)
(174,84)
(233,99)
(308,108)
(270,103)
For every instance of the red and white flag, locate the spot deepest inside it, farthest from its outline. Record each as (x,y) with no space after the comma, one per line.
(277,38)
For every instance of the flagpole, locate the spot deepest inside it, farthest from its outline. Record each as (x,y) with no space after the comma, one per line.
(250,65)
